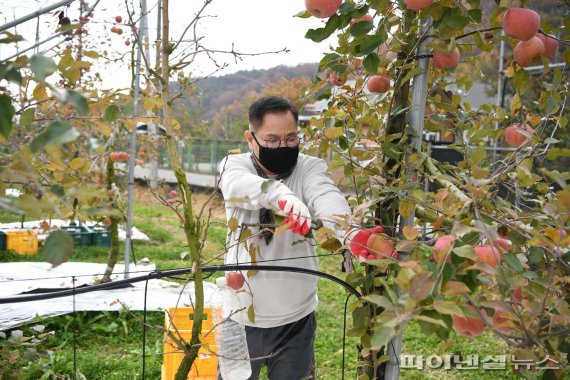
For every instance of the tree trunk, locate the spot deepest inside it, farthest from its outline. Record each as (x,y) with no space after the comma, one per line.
(114,229)
(192,227)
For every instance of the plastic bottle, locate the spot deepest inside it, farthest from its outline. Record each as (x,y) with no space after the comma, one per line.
(233,355)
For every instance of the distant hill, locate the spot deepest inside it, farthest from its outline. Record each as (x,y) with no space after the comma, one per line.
(216,92)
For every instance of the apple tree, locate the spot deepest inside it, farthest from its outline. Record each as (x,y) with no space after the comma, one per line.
(482,239)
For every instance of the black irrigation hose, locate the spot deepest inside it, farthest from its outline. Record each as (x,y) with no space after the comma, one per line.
(173,272)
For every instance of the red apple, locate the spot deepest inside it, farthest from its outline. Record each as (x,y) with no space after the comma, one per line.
(488,254)
(118,19)
(112,193)
(514,137)
(550,44)
(322,8)
(527,53)
(172,194)
(235,280)
(499,321)
(521,23)
(468,326)
(502,243)
(119,156)
(418,5)
(379,246)
(443,246)
(446,60)
(336,79)
(378,83)
(127,42)
(119,31)
(367,18)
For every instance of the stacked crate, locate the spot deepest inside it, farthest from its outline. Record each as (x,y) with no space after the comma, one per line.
(24,242)
(179,321)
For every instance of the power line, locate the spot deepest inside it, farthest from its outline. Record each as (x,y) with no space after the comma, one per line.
(35,14)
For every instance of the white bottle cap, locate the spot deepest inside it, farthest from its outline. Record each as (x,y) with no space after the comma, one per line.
(221,281)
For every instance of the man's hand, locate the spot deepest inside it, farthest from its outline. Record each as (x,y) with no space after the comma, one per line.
(358,239)
(297,214)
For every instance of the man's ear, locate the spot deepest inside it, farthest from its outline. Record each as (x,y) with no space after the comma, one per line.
(248,136)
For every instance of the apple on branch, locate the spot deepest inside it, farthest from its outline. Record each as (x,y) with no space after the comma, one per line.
(446,60)
(322,8)
(378,83)
(521,23)
(527,53)
(517,134)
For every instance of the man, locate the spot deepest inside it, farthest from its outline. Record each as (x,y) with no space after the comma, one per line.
(275,176)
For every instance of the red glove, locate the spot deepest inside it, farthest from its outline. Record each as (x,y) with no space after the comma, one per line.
(358,242)
(297,214)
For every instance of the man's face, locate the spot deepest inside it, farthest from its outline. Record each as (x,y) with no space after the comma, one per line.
(280,125)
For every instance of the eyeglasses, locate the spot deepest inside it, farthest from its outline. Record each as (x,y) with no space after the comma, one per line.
(274,142)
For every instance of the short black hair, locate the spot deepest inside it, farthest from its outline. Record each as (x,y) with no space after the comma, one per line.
(270,104)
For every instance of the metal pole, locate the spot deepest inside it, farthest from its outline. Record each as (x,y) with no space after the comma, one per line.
(133,144)
(35,14)
(416,119)
(500,87)
(153,129)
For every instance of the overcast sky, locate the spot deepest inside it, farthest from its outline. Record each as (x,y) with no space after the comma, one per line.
(253,26)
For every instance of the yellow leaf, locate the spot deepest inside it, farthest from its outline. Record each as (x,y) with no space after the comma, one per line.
(510,72)
(515,103)
(104,128)
(410,233)
(40,93)
(77,163)
(407,207)
(333,133)
(233,224)
(175,125)
(251,273)
(234,151)
(251,314)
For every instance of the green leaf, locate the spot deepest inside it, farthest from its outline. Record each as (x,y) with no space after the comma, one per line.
(557,152)
(233,224)
(10,73)
(370,43)
(58,132)
(6,115)
(28,116)
(465,251)
(456,21)
(381,337)
(58,247)
(412,73)
(371,63)
(361,28)
(78,102)
(333,133)
(380,301)
(42,67)
(447,307)
(391,150)
(112,113)
(513,262)
(321,34)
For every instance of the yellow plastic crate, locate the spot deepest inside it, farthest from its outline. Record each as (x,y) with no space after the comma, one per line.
(180,321)
(23,242)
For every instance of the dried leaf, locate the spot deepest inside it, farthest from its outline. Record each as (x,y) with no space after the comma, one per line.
(421,285)
(410,233)
(282,228)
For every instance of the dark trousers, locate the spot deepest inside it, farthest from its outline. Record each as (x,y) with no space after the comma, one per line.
(288,351)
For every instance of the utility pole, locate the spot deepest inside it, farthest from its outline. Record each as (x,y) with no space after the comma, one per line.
(133,141)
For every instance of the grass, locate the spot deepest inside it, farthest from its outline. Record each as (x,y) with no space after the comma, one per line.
(120,334)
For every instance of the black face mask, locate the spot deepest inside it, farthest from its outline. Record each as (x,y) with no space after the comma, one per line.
(278,160)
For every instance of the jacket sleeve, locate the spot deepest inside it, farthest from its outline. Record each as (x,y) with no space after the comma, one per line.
(324,199)
(244,189)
